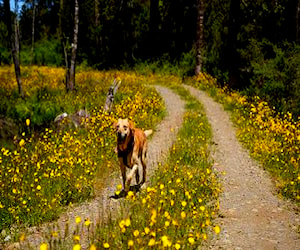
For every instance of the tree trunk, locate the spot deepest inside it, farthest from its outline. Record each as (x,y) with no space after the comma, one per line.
(74,48)
(67,74)
(200,37)
(232,60)
(60,14)
(97,13)
(153,42)
(63,43)
(32,32)
(298,22)
(14,43)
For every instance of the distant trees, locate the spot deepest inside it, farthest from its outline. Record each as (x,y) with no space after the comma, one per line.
(228,40)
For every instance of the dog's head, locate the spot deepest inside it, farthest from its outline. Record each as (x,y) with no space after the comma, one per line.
(124,129)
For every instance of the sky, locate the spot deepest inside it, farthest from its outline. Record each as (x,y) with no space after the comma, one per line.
(12,5)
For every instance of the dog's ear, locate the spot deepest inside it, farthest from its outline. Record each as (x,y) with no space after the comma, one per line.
(115,125)
(131,126)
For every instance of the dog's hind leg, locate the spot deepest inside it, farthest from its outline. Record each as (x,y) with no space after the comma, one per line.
(143,160)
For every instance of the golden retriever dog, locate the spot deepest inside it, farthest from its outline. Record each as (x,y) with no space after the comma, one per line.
(132,151)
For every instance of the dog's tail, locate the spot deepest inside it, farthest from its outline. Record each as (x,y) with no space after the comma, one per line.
(148,132)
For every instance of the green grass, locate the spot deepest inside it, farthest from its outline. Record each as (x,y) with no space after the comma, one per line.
(178,208)
(43,172)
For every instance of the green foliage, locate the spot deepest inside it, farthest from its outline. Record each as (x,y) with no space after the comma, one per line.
(276,76)
(183,67)
(46,52)
(5,56)
(41,112)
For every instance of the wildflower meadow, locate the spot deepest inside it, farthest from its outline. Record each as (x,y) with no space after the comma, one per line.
(45,169)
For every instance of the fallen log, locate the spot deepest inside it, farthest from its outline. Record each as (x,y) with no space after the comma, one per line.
(75,120)
(110,95)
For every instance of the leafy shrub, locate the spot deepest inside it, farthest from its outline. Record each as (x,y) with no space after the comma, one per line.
(5,57)
(182,67)
(46,52)
(276,75)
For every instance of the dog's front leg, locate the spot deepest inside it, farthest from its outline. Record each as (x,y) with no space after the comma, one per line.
(130,175)
(134,169)
(137,176)
(123,172)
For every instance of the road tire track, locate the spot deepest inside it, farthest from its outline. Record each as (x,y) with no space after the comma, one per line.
(251,215)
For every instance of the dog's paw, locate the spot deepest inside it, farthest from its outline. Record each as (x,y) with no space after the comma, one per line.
(119,194)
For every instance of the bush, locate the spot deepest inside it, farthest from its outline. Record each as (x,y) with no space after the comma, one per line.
(5,57)
(46,52)
(276,75)
(185,66)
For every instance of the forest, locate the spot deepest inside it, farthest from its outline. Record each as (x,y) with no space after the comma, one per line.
(69,69)
(252,46)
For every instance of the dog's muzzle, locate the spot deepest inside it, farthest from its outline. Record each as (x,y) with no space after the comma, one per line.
(121,136)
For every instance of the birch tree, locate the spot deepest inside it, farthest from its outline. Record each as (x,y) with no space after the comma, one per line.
(32,31)
(14,42)
(71,83)
(200,37)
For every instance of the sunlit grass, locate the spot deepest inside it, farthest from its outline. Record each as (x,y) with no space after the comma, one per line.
(272,138)
(177,209)
(57,168)
(44,172)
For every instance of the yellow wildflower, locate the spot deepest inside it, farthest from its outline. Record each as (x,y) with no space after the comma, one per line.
(130,243)
(93,247)
(191,240)
(147,230)
(44,246)
(130,194)
(105,245)
(127,222)
(76,238)
(54,233)
(183,214)
(136,233)
(22,237)
(87,222)
(151,242)
(77,220)
(77,247)
(27,122)
(217,229)
(22,142)
(177,246)
(166,242)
